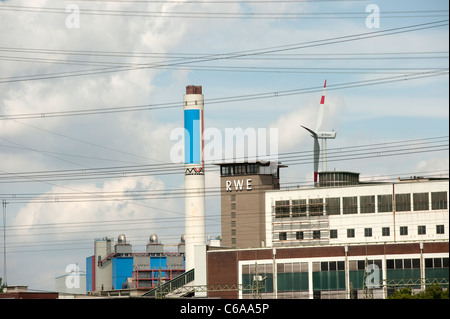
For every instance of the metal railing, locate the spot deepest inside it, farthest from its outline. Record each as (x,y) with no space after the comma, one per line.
(172,285)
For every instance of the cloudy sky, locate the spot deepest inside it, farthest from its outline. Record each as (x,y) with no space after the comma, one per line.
(91,91)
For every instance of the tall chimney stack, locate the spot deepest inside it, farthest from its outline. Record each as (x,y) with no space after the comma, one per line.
(194,173)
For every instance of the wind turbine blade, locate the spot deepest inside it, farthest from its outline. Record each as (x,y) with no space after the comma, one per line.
(313,134)
(321,109)
(316,159)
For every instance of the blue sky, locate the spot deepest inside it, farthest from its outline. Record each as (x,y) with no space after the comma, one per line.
(404,110)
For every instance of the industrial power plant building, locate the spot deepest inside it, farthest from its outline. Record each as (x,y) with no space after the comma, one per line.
(342,239)
(117,267)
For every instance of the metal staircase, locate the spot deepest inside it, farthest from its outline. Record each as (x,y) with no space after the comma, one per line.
(171,286)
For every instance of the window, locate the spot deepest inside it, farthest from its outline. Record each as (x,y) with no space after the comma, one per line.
(233,198)
(233,223)
(384,203)
(403,230)
(252,169)
(233,214)
(436,262)
(367,204)
(233,232)
(233,205)
(421,230)
(439,200)
(298,207)
(402,263)
(350,205)
(367,232)
(333,233)
(385,231)
(239,170)
(227,170)
(299,235)
(281,208)
(420,201)
(403,202)
(351,233)
(316,206)
(316,234)
(333,206)
(439,229)
(390,264)
(407,264)
(282,236)
(332,266)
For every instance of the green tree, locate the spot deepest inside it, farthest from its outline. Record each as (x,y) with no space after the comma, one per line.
(431,292)
(404,293)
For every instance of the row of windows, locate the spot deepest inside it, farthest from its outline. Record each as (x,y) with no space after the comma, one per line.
(407,263)
(385,231)
(415,263)
(245,169)
(365,204)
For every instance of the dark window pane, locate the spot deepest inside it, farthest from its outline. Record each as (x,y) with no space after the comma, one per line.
(407,264)
(361,264)
(333,266)
(390,264)
(379,263)
(437,262)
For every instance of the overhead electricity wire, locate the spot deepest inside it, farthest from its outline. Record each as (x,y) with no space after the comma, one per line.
(187,55)
(102,195)
(246,69)
(233,15)
(245,53)
(122,222)
(45,227)
(291,158)
(239,98)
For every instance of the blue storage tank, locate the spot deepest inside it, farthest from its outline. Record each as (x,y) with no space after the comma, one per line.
(122,268)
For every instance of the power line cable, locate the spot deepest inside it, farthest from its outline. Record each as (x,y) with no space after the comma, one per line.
(208,58)
(239,98)
(292,158)
(233,15)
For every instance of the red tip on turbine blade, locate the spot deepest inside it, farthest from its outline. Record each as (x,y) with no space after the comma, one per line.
(322,100)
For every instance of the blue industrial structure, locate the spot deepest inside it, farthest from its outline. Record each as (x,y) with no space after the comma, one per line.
(114,268)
